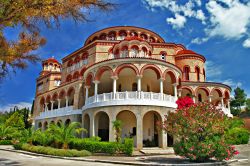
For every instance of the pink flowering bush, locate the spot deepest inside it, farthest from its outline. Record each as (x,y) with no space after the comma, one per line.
(184,102)
(199,129)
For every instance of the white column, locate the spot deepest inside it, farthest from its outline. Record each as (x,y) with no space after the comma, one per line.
(179,92)
(161,85)
(92,126)
(86,94)
(52,105)
(175,91)
(210,98)
(222,102)
(96,88)
(139,83)
(46,107)
(114,85)
(139,133)
(193,98)
(111,130)
(67,101)
(59,103)
(228,105)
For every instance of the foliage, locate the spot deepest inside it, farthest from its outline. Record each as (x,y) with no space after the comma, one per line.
(52,151)
(27,16)
(117,126)
(103,147)
(199,130)
(64,133)
(238,101)
(184,102)
(248,105)
(5,142)
(6,132)
(237,135)
(42,138)
(16,121)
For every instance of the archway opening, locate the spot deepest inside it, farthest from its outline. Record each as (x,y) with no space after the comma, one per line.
(128,120)
(40,125)
(106,84)
(126,78)
(67,122)
(202,95)
(152,135)
(59,123)
(86,125)
(150,80)
(170,79)
(45,125)
(216,96)
(102,126)
(186,92)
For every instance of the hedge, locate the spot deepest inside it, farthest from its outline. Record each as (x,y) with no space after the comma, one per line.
(5,142)
(103,147)
(237,136)
(52,151)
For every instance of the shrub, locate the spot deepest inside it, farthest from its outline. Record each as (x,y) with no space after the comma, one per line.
(5,142)
(18,146)
(200,132)
(52,151)
(102,147)
(237,136)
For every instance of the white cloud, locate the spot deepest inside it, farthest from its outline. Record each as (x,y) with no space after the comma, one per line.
(20,105)
(229,19)
(246,43)
(177,22)
(232,83)
(212,69)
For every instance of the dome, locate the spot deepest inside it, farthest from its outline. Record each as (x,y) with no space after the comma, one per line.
(51,60)
(181,52)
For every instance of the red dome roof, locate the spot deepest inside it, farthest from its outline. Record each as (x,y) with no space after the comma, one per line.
(53,60)
(186,52)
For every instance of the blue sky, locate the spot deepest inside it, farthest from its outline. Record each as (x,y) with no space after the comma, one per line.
(219,30)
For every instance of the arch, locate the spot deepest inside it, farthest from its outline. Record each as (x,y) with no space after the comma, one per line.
(189,90)
(219,91)
(129,124)
(59,122)
(227,94)
(171,74)
(70,91)
(197,71)
(152,136)
(84,56)
(67,122)
(86,124)
(52,122)
(48,98)
(89,79)
(203,88)
(103,36)
(102,125)
(45,125)
(143,36)
(121,67)
(101,70)
(155,68)
(76,75)
(62,94)
(70,63)
(69,78)
(40,125)
(82,71)
(42,104)
(55,96)
(186,71)
(77,59)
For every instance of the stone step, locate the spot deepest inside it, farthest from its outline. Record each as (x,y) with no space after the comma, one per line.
(157,151)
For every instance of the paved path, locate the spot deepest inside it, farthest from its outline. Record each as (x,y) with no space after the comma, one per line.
(17,159)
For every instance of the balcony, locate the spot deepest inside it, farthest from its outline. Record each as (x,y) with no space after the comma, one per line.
(131,98)
(59,112)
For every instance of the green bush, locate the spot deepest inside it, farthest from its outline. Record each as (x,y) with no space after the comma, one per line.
(18,146)
(5,142)
(52,151)
(237,135)
(102,147)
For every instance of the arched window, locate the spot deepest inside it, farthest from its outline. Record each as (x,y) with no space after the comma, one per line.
(119,88)
(134,87)
(186,73)
(199,98)
(204,73)
(197,70)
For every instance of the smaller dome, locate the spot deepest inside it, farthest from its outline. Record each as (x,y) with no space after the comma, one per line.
(181,52)
(50,60)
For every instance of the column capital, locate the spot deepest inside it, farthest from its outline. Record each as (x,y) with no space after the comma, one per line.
(139,76)
(96,82)
(52,101)
(175,84)
(114,77)
(87,86)
(58,99)
(161,79)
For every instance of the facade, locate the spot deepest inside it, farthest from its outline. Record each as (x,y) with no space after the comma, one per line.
(126,73)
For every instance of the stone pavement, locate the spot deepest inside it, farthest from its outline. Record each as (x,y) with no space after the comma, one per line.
(141,159)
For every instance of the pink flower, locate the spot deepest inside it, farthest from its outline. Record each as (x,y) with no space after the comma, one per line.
(236,152)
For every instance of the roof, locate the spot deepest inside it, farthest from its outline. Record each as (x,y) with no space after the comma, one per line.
(186,52)
(52,59)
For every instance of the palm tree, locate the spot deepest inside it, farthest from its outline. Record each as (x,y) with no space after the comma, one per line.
(117,126)
(42,138)
(64,133)
(6,132)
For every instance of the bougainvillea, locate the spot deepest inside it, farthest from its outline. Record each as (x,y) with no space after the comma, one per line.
(184,102)
(199,131)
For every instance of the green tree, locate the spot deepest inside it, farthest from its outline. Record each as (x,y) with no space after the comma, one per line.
(248,105)
(16,121)
(41,138)
(27,16)
(238,101)
(117,126)
(6,132)
(64,133)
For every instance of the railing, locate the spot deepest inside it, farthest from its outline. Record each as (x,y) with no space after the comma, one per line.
(58,112)
(131,98)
